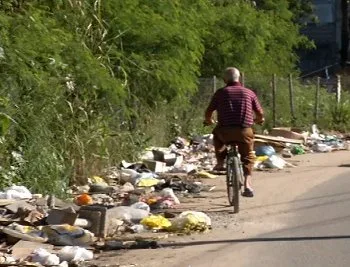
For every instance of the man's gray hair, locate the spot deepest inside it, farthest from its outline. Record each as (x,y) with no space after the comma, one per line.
(232,75)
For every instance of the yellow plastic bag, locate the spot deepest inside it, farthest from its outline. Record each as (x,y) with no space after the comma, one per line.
(98,180)
(156,222)
(261,158)
(206,175)
(148,182)
(189,223)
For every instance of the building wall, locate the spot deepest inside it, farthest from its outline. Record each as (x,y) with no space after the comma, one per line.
(326,35)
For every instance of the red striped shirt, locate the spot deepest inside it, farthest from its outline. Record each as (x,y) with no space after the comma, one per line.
(235,105)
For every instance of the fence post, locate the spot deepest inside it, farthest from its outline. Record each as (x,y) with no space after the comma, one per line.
(317,99)
(274,100)
(214,83)
(291,99)
(338,92)
(243,78)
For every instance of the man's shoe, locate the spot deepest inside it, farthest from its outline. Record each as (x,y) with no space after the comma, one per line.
(248,193)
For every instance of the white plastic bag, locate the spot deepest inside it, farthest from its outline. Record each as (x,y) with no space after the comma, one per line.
(44,257)
(141,205)
(275,162)
(322,148)
(16,192)
(129,175)
(127,213)
(74,253)
(168,192)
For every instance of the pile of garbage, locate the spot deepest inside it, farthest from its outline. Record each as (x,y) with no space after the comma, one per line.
(49,231)
(131,205)
(125,207)
(273,148)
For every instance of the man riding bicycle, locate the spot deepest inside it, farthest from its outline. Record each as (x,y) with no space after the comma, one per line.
(235,106)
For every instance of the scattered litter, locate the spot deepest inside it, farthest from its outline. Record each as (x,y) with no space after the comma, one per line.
(191,221)
(127,206)
(275,162)
(83,199)
(44,257)
(156,222)
(206,175)
(16,192)
(265,151)
(75,254)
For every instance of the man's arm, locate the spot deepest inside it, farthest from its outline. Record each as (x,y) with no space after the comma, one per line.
(208,118)
(259,112)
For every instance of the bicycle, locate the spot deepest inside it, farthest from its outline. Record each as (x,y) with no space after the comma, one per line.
(234,176)
(234,171)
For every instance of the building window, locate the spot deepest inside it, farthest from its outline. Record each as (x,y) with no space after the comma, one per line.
(325,13)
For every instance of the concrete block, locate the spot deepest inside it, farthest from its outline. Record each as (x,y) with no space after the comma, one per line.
(57,216)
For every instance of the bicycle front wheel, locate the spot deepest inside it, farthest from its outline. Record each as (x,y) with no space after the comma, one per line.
(230,182)
(236,178)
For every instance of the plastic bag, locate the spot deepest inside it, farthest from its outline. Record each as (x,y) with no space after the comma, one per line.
(83,200)
(67,235)
(275,162)
(206,175)
(44,257)
(128,213)
(71,253)
(129,175)
(147,182)
(137,228)
(97,180)
(200,216)
(16,192)
(265,151)
(168,192)
(141,206)
(261,158)
(297,150)
(322,148)
(156,222)
(190,221)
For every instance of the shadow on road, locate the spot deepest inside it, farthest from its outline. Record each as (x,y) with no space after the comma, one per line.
(258,239)
(302,201)
(344,166)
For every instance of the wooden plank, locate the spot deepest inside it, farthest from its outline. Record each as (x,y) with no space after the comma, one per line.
(278,139)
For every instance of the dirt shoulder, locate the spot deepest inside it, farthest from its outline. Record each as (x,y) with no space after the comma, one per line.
(275,192)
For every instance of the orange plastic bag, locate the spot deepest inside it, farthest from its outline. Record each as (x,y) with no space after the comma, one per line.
(83,200)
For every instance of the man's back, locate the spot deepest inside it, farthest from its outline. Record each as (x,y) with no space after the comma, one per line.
(235,105)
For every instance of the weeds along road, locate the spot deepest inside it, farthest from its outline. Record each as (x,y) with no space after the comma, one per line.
(299,217)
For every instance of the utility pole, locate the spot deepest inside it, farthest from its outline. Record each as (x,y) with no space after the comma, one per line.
(344,33)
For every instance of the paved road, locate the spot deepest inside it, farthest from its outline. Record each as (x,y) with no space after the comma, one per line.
(316,232)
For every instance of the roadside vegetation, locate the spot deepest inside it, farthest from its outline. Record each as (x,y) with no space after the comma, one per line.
(85,84)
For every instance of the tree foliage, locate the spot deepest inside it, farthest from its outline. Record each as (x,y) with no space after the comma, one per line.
(76,75)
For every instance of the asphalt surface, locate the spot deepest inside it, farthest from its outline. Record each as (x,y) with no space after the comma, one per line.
(316,232)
